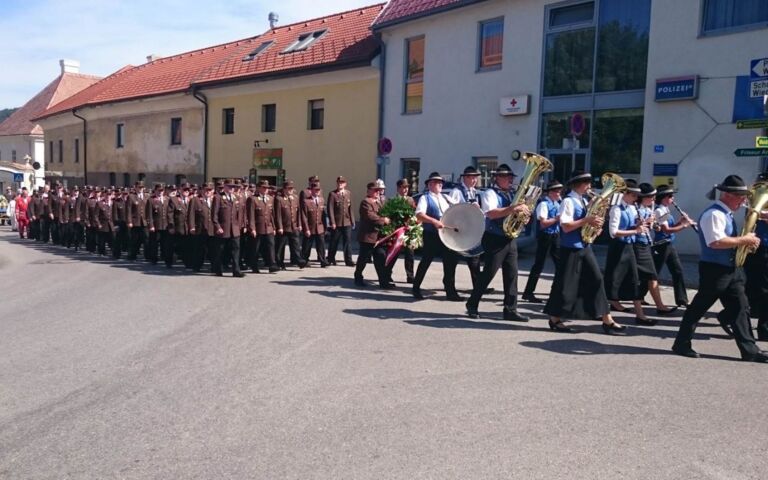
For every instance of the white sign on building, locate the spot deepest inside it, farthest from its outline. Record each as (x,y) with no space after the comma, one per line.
(517,105)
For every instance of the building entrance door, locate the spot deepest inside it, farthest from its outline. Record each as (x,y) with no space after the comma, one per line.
(566,161)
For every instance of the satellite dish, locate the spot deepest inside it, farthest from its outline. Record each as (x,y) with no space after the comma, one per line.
(36,165)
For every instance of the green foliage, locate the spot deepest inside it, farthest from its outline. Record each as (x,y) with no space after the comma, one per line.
(6,112)
(398,211)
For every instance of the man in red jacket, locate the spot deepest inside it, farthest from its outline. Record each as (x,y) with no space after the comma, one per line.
(22,203)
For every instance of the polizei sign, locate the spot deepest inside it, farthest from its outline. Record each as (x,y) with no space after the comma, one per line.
(678,88)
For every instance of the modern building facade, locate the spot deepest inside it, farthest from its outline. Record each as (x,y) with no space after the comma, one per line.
(468,82)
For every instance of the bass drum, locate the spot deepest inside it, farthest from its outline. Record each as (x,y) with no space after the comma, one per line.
(464,227)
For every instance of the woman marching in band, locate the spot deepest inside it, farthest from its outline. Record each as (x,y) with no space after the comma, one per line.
(578,290)
(664,251)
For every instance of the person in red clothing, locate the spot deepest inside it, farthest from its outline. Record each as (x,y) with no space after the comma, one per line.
(22,203)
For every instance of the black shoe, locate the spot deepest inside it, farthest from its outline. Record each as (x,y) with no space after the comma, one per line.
(255,270)
(560,327)
(759,357)
(360,282)
(513,316)
(667,312)
(274,269)
(387,286)
(238,274)
(350,264)
(282,267)
(613,329)
(685,351)
(218,274)
(727,329)
(324,265)
(620,310)
(454,297)
(532,299)
(331,262)
(489,290)
(472,312)
(416,292)
(409,280)
(302,265)
(645,321)
(682,305)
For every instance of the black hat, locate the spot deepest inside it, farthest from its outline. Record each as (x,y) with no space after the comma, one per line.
(631,186)
(664,191)
(470,171)
(733,184)
(434,176)
(579,176)
(403,183)
(503,170)
(647,190)
(553,185)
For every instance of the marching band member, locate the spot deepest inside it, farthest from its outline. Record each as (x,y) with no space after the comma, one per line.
(466,192)
(548,237)
(500,250)
(403,191)
(578,290)
(719,279)
(756,268)
(664,251)
(429,211)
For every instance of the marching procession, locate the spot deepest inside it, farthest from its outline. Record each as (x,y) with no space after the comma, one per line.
(238,226)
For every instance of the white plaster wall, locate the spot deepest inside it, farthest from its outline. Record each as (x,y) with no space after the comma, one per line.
(21,143)
(702,146)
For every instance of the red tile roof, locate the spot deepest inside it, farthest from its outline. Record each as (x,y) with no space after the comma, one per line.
(347,40)
(398,11)
(63,87)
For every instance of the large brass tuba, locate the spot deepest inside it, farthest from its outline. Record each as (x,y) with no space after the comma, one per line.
(758,201)
(527,192)
(600,204)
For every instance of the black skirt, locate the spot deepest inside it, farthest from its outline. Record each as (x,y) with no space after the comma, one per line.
(577,291)
(646,269)
(621,273)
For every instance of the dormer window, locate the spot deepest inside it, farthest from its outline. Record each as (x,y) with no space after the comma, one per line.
(258,50)
(305,41)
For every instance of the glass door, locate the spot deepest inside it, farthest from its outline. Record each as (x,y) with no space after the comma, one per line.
(565,162)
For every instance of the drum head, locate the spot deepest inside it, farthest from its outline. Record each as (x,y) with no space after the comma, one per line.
(470,222)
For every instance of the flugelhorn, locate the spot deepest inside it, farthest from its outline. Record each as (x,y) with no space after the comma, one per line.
(527,192)
(599,205)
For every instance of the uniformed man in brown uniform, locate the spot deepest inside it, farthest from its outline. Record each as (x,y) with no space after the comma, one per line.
(62,216)
(45,214)
(91,229)
(103,222)
(288,226)
(403,191)
(157,222)
(341,221)
(77,218)
(201,228)
(227,224)
(33,212)
(368,234)
(260,210)
(119,220)
(177,227)
(137,221)
(313,227)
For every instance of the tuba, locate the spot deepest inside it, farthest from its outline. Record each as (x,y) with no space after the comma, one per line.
(758,201)
(527,192)
(599,205)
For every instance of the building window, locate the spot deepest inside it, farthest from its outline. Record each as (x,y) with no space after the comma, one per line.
(13,155)
(316,114)
(176,131)
(181,179)
(414,75)
(491,44)
(126,179)
(77,150)
(50,151)
(120,135)
(622,45)
(258,50)
(572,15)
(485,165)
(269,117)
(617,141)
(142,176)
(724,15)
(228,121)
(569,62)
(556,131)
(410,171)
(304,41)
(112,179)
(61,151)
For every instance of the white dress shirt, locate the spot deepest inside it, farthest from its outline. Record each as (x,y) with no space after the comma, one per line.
(614,217)
(542,211)
(439,199)
(567,208)
(713,223)
(491,200)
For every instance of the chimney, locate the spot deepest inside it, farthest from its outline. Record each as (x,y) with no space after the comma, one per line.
(273,19)
(152,57)
(69,66)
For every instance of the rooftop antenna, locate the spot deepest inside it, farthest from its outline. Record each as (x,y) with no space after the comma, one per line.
(273,19)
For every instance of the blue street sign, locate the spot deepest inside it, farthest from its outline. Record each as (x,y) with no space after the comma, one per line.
(758,68)
(678,88)
(664,169)
(658,148)
(18,177)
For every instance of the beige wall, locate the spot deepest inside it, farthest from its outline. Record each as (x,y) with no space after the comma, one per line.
(346,146)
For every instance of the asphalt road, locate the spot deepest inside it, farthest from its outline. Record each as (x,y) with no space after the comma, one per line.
(118,370)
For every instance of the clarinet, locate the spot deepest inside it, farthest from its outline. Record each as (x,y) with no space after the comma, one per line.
(682,214)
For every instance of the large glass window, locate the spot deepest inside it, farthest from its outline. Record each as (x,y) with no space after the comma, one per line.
(569,62)
(491,44)
(622,46)
(485,165)
(571,15)
(410,171)
(414,75)
(557,134)
(723,15)
(617,141)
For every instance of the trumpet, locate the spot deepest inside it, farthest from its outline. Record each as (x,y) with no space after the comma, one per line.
(684,215)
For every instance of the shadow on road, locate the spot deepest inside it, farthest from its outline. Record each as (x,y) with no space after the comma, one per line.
(433,319)
(579,346)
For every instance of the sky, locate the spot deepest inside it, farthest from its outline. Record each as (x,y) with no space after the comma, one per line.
(105,35)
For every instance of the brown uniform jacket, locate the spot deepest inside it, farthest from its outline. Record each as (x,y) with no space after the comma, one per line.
(287,213)
(177,216)
(312,215)
(118,210)
(367,231)
(33,207)
(261,214)
(62,209)
(136,210)
(92,206)
(340,209)
(199,217)
(227,216)
(77,211)
(157,212)
(104,221)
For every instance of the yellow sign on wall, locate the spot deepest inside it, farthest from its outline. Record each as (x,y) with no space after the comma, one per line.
(659,181)
(761,142)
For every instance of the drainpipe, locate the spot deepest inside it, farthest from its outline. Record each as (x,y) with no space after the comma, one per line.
(85,146)
(204,100)
(380,169)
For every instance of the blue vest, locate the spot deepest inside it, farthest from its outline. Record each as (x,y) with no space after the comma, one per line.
(627,221)
(496,227)
(433,210)
(573,239)
(553,208)
(762,232)
(465,194)
(644,213)
(726,256)
(661,236)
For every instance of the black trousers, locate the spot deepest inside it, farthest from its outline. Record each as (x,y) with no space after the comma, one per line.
(102,239)
(578,290)
(201,246)
(666,254)
(91,238)
(343,235)
(137,240)
(76,232)
(379,254)
(546,244)
(319,243)
(622,281)
(407,254)
(155,242)
(292,241)
(34,229)
(756,269)
(432,248)
(55,231)
(121,239)
(177,245)
(221,245)
(718,282)
(261,246)
(65,234)
(500,252)
(45,229)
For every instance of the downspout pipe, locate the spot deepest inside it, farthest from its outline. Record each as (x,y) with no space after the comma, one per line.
(85,145)
(380,169)
(204,100)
